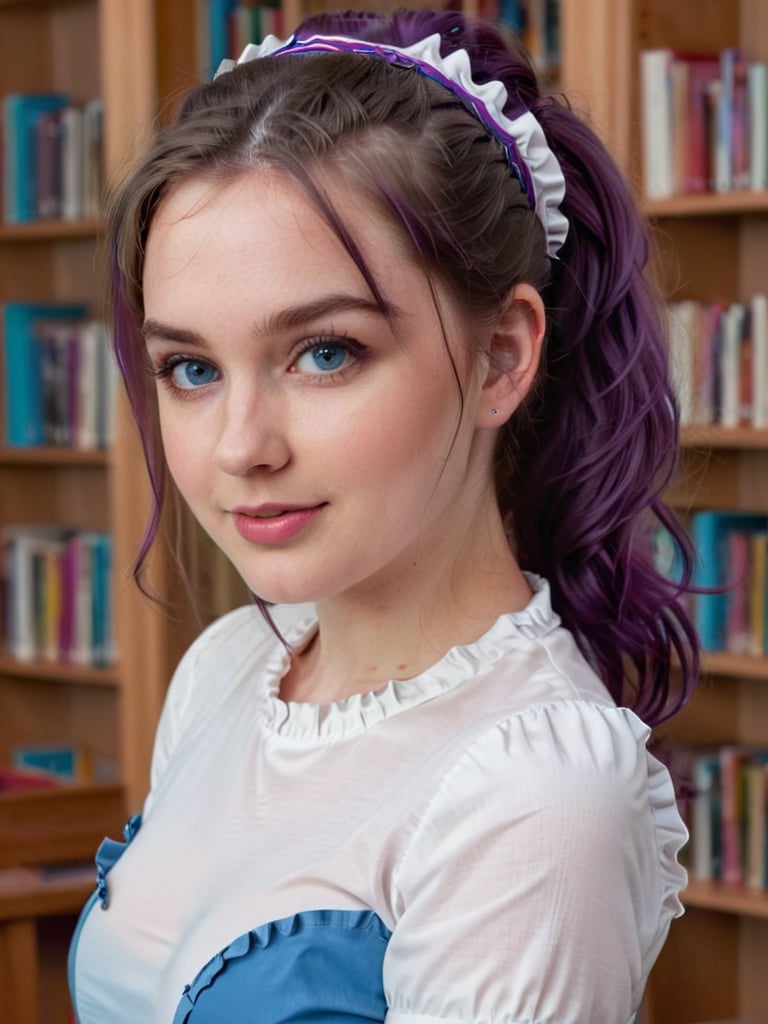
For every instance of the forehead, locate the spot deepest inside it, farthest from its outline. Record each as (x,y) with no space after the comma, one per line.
(262,224)
(226,251)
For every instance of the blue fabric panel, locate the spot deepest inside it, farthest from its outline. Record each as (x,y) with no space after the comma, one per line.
(108,854)
(317,967)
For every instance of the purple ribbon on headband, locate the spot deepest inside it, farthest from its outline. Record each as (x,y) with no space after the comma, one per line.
(324,44)
(533,163)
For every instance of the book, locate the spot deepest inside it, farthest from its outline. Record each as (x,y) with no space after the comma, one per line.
(23,371)
(657,123)
(49,165)
(63,762)
(759,321)
(709,532)
(731,359)
(72,164)
(706,818)
(756,820)
(724,179)
(21,112)
(93,156)
(758,581)
(683,341)
(757,106)
(22,549)
(58,604)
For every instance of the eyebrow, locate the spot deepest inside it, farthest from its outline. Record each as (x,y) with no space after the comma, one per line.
(284,320)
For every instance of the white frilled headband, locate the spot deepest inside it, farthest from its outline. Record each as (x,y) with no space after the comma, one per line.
(532,161)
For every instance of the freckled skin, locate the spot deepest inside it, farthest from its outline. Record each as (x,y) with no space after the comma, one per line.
(348,412)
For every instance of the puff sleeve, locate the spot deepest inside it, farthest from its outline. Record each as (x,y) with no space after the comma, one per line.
(539,885)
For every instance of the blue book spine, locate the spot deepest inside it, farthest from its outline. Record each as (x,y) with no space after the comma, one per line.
(23,398)
(101,612)
(20,179)
(511,15)
(219,12)
(709,530)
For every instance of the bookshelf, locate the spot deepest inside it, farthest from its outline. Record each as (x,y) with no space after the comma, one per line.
(141,55)
(712,248)
(85,48)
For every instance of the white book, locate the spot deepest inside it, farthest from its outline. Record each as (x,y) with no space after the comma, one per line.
(22,545)
(757,106)
(682,342)
(759,308)
(107,389)
(88,340)
(705,780)
(72,164)
(730,365)
(657,123)
(82,648)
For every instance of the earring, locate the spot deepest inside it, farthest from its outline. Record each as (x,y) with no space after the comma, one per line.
(494,412)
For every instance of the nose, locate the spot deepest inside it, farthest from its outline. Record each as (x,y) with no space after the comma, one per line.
(251,434)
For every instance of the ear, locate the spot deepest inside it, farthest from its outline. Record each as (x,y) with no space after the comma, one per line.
(514,352)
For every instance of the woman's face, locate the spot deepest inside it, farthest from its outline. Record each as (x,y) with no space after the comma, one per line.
(322,446)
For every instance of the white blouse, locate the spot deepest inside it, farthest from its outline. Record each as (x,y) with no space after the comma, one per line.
(487,843)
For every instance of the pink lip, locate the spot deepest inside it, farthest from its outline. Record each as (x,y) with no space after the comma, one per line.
(290,520)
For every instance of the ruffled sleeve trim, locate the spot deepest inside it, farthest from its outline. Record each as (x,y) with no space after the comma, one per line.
(358,712)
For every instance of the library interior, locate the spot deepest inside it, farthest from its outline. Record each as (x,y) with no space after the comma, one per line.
(679,94)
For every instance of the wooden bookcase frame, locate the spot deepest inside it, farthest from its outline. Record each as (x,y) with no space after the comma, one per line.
(143,55)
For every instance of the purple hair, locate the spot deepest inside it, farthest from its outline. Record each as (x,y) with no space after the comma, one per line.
(582,467)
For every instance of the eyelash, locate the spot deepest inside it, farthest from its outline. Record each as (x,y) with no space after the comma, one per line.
(354,350)
(164,374)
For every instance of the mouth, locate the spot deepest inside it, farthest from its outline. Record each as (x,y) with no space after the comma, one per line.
(274,524)
(273,510)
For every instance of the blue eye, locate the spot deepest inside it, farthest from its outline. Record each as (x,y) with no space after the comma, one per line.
(324,357)
(192,373)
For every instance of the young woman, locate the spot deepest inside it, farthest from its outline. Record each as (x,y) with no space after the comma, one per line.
(388,302)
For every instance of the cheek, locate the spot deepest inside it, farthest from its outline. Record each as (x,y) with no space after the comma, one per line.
(184,456)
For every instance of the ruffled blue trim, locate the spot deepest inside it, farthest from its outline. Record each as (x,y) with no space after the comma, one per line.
(109,853)
(332,974)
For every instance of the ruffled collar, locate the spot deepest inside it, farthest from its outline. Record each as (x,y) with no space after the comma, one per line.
(358,712)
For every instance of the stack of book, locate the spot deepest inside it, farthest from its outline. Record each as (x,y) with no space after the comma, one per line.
(52,157)
(720,361)
(731,557)
(59,378)
(704,122)
(728,815)
(57,587)
(232,24)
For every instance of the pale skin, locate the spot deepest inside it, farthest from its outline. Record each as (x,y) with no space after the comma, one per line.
(283,384)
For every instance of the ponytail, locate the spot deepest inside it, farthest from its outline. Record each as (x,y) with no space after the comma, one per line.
(598,444)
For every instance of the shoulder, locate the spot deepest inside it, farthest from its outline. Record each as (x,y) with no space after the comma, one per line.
(572,780)
(589,750)
(550,845)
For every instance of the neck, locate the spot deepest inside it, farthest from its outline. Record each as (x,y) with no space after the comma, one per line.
(390,632)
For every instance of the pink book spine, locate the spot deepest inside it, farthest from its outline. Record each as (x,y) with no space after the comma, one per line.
(70,575)
(730,769)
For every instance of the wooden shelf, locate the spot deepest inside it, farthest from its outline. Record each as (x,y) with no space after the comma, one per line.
(710,436)
(744,666)
(47,230)
(729,899)
(30,892)
(709,204)
(38,3)
(54,456)
(59,673)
